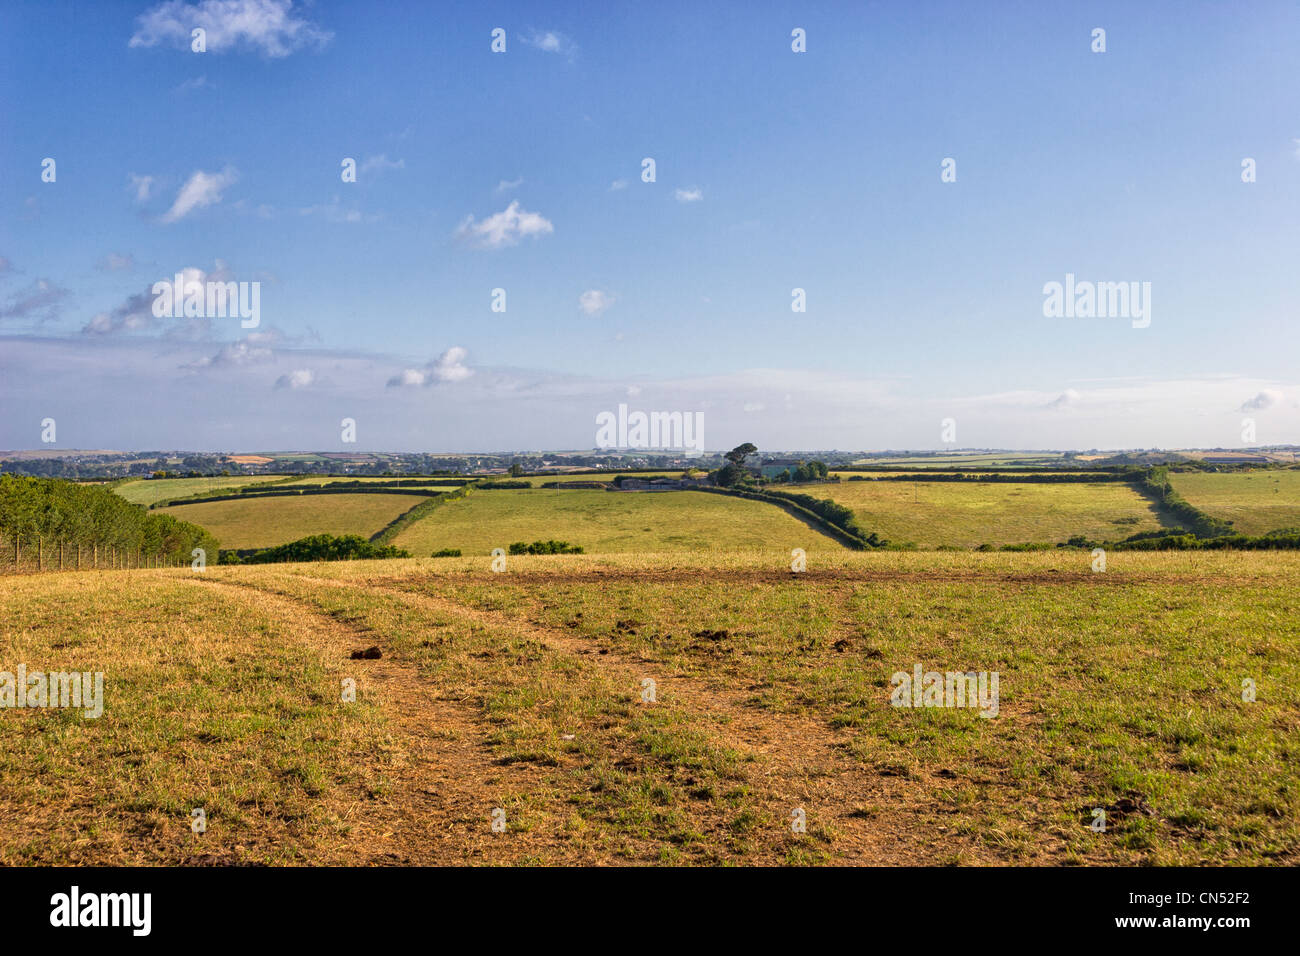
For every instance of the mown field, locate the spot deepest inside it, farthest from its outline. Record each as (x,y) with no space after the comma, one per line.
(608,522)
(1255,502)
(150,491)
(266,522)
(522,691)
(966,515)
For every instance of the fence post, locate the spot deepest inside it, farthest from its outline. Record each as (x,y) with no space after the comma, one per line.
(60,555)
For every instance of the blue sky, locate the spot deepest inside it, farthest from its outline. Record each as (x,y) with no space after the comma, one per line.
(775,170)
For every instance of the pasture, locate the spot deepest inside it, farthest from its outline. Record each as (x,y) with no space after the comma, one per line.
(968,514)
(150,491)
(608,522)
(524,692)
(266,522)
(1256,502)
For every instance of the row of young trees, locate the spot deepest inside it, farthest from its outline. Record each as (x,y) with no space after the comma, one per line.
(88,523)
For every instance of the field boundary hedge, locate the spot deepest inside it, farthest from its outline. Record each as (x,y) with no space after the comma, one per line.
(790,505)
(302,492)
(1155,484)
(407,518)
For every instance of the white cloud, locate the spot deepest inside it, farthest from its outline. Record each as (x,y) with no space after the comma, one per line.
(451,367)
(508,184)
(201,189)
(380,163)
(136,313)
(1067,398)
(617,184)
(505,228)
(594,302)
(244,352)
(298,378)
(268,26)
(143,186)
(552,41)
(1265,399)
(753,407)
(694,194)
(448,367)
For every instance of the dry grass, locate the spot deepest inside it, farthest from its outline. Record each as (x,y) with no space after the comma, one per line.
(521,690)
(266,522)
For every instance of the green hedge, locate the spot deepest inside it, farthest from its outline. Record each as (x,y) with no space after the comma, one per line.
(324,547)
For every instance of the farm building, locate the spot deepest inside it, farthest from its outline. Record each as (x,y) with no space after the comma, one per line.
(775,466)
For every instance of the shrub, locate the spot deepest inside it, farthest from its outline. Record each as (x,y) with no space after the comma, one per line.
(545,547)
(326,547)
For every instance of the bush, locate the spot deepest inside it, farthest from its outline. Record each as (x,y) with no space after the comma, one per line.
(545,547)
(447,553)
(326,547)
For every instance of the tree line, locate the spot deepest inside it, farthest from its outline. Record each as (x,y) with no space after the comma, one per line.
(64,524)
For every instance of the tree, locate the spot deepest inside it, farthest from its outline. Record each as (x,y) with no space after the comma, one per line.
(738,454)
(516,470)
(733,472)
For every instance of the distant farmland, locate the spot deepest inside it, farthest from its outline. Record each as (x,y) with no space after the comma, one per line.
(1256,502)
(607,521)
(151,490)
(968,514)
(266,522)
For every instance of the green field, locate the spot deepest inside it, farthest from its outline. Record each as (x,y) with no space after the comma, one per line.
(266,522)
(1255,502)
(970,461)
(319,480)
(150,491)
(607,521)
(524,691)
(968,514)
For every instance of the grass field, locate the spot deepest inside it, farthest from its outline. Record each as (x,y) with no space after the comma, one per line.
(266,522)
(969,461)
(148,492)
(933,514)
(524,691)
(609,522)
(1255,503)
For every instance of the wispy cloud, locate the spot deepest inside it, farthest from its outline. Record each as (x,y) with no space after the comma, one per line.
(551,41)
(143,186)
(694,194)
(267,26)
(38,302)
(115,262)
(1264,399)
(508,184)
(381,163)
(201,189)
(594,302)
